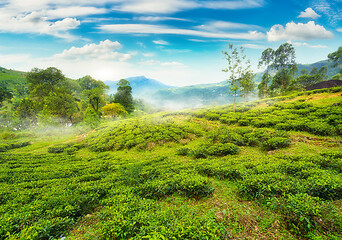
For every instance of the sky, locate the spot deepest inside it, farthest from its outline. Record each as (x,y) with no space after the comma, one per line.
(177,42)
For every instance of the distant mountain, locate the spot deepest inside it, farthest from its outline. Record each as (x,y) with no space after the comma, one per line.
(193,96)
(142,86)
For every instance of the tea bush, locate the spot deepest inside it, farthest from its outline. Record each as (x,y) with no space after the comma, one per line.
(142,134)
(8,146)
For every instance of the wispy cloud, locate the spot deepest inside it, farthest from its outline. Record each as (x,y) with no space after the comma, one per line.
(253,46)
(161,42)
(304,44)
(159,29)
(332,9)
(233,5)
(159,19)
(163,64)
(213,26)
(172,6)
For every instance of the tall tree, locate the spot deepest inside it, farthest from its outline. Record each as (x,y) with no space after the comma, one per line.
(124,95)
(267,58)
(285,61)
(239,69)
(247,84)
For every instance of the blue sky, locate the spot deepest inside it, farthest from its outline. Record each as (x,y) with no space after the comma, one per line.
(178,42)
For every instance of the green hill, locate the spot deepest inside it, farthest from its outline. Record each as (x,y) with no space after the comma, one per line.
(13,81)
(270,170)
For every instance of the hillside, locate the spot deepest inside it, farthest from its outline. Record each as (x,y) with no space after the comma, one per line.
(331,70)
(13,81)
(270,170)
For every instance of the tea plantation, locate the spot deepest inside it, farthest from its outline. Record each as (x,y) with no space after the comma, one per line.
(270,170)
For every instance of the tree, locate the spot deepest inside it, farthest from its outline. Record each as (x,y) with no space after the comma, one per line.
(93,91)
(114,110)
(124,95)
(42,82)
(238,68)
(4,94)
(247,84)
(267,58)
(53,92)
(264,85)
(323,72)
(314,71)
(336,56)
(281,80)
(285,63)
(314,77)
(304,71)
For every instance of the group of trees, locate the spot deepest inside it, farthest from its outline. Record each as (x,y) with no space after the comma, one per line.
(281,74)
(53,98)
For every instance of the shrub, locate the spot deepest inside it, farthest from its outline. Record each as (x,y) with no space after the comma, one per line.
(275,143)
(301,211)
(7,135)
(223,149)
(56,149)
(184,151)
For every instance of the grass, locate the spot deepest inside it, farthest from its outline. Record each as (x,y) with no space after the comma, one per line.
(107,189)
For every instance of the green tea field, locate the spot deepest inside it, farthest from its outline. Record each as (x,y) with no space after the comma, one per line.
(270,170)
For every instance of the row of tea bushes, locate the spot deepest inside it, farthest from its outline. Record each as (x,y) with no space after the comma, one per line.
(69,148)
(143,133)
(300,188)
(297,116)
(224,141)
(42,196)
(8,146)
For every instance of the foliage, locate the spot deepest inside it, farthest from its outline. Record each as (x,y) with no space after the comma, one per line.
(141,134)
(239,70)
(114,110)
(336,56)
(93,91)
(124,95)
(4,94)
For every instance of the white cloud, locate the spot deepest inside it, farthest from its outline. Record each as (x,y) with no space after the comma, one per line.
(105,50)
(309,13)
(148,54)
(152,6)
(161,42)
(223,25)
(339,29)
(163,64)
(73,11)
(304,44)
(172,6)
(253,46)
(232,5)
(36,22)
(158,19)
(300,31)
(158,29)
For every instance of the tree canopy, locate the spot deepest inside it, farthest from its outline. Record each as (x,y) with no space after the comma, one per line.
(124,95)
